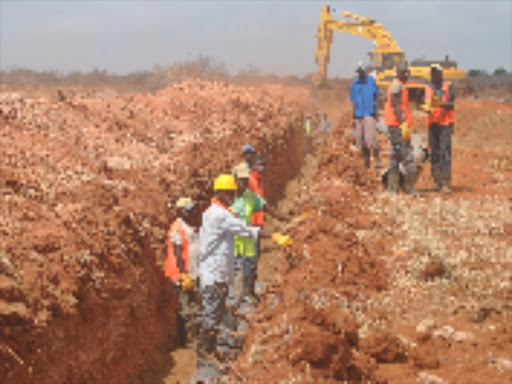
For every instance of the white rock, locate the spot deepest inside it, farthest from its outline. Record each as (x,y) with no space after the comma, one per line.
(428,378)
(426,326)
(116,162)
(444,332)
(462,336)
(504,364)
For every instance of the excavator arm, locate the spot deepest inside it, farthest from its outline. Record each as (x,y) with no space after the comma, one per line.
(384,58)
(386,54)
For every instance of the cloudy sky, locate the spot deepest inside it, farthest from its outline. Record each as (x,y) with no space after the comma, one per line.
(277,36)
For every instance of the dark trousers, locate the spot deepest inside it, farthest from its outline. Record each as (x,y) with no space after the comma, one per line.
(401,152)
(440,142)
(213,303)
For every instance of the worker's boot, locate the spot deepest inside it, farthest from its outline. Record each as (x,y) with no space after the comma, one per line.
(446,177)
(208,368)
(206,346)
(438,183)
(376,156)
(409,180)
(365,152)
(393,180)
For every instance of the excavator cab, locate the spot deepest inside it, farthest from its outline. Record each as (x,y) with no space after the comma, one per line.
(385,60)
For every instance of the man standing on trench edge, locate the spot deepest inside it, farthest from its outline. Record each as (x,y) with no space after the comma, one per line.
(364,93)
(398,119)
(216,250)
(439,103)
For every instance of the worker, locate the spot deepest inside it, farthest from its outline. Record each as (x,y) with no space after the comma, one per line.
(325,125)
(248,153)
(181,267)
(363,94)
(216,249)
(399,121)
(308,124)
(439,101)
(258,167)
(243,207)
(256,185)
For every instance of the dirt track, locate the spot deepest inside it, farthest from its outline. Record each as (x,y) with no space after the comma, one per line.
(375,287)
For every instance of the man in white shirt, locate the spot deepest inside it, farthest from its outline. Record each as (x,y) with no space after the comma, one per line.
(215,268)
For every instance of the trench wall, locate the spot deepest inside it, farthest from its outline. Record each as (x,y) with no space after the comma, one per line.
(82,291)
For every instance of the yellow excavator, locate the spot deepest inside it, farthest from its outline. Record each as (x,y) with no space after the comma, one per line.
(383,59)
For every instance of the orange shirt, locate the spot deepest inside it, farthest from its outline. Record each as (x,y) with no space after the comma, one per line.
(256,185)
(172,270)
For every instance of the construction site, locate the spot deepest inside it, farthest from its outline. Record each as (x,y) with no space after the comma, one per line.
(376,287)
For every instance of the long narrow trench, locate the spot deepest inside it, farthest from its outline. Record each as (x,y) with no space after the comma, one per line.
(183,360)
(287,194)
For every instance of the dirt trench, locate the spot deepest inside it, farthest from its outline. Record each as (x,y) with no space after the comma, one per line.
(376,288)
(85,184)
(305,329)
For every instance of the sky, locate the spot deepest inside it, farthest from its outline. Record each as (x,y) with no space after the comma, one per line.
(273,36)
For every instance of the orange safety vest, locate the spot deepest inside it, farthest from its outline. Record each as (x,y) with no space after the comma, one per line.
(439,115)
(171,265)
(257,187)
(389,114)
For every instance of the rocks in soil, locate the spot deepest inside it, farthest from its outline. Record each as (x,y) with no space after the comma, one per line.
(385,347)
(6,265)
(425,328)
(505,364)
(425,356)
(429,378)
(433,269)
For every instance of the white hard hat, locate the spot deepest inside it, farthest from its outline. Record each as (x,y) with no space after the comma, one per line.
(185,203)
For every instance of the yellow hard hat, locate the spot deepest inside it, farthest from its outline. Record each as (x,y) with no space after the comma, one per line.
(225,182)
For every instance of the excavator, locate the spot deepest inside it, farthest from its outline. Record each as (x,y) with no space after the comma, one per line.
(383,59)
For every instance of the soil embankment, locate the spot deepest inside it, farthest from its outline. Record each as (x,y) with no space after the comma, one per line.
(85,187)
(393,289)
(375,288)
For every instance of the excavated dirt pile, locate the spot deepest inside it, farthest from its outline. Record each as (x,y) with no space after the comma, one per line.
(85,184)
(385,288)
(307,328)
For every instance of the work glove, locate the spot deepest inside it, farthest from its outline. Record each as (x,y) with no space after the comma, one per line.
(406,132)
(427,107)
(282,240)
(187,284)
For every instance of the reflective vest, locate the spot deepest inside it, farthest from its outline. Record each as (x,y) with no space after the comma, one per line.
(308,127)
(439,115)
(389,113)
(244,246)
(172,270)
(256,186)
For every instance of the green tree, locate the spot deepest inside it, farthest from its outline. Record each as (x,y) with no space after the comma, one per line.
(477,73)
(500,71)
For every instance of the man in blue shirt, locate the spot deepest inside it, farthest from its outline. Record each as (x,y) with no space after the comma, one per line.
(364,93)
